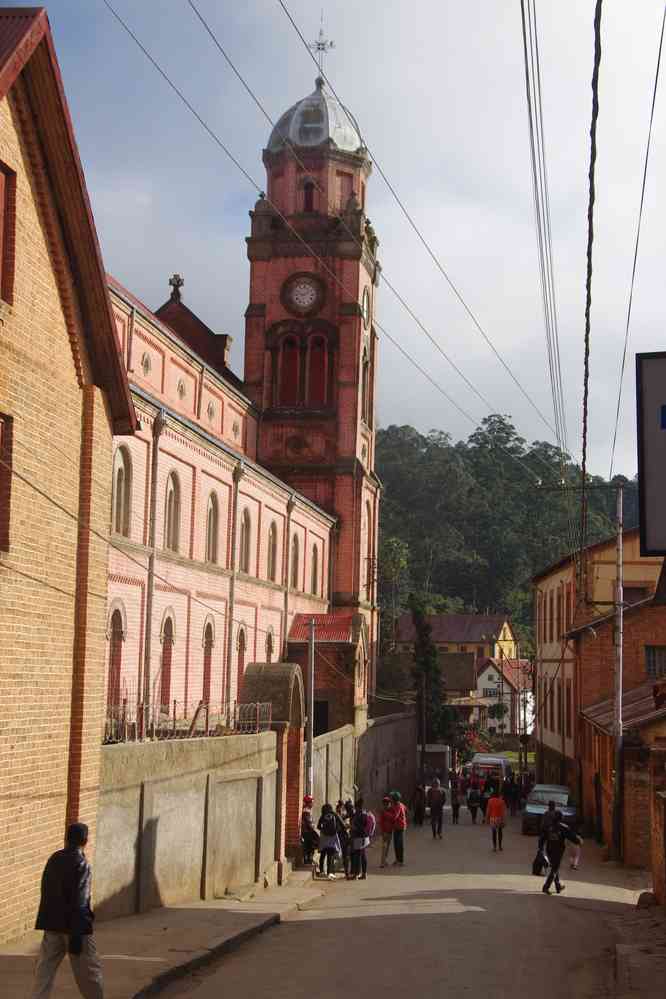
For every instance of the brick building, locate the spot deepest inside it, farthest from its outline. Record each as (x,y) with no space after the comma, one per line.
(63,395)
(562,686)
(262,491)
(484,635)
(644,662)
(644,723)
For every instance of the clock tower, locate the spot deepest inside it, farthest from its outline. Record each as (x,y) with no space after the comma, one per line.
(310,343)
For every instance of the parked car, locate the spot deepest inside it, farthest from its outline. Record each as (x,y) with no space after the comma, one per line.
(536,806)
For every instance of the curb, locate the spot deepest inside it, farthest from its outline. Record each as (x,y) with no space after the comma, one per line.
(160,982)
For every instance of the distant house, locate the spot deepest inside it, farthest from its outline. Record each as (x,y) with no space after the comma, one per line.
(483,635)
(508,682)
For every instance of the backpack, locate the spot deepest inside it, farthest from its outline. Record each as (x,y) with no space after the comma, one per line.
(359,825)
(329,826)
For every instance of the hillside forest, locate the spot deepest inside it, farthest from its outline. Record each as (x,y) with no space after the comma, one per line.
(464,526)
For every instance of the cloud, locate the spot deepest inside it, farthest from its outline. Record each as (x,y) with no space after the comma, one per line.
(439,90)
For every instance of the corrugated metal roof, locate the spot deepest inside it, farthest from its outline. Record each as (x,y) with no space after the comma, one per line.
(328,627)
(454,627)
(638,709)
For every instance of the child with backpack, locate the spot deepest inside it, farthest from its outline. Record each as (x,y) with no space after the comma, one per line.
(329,826)
(362,831)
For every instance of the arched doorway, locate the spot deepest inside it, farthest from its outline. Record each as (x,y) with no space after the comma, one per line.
(207,663)
(167,652)
(115,663)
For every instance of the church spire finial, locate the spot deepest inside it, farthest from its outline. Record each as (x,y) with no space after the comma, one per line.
(321,46)
(176,283)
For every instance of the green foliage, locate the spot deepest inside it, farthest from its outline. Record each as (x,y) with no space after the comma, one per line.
(465,526)
(427,672)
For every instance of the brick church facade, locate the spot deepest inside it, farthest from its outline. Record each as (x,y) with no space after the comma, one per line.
(261,490)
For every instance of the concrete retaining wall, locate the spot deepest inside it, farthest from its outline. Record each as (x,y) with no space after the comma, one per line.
(183,820)
(334,766)
(386,758)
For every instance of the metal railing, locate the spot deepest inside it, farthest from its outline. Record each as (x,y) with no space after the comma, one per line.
(131,721)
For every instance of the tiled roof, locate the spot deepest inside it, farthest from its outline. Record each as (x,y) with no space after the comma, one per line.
(328,627)
(638,709)
(561,562)
(458,670)
(454,627)
(515,671)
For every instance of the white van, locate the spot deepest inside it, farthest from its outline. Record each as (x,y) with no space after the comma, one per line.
(486,765)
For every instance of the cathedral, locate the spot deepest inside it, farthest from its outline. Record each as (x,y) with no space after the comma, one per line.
(245,508)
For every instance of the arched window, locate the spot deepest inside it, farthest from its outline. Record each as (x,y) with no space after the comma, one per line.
(165,679)
(370,572)
(317,372)
(172,513)
(308,196)
(269,647)
(242,648)
(314,569)
(212,523)
(365,388)
(122,491)
(244,546)
(207,662)
(272,552)
(115,661)
(294,562)
(289,374)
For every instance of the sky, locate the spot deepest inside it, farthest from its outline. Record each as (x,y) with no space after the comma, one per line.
(439,91)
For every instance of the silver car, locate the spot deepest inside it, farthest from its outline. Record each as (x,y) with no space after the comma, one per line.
(536,806)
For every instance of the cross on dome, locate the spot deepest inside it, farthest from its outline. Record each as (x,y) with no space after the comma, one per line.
(321,45)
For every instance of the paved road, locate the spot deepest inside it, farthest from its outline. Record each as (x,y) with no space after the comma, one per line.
(457,919)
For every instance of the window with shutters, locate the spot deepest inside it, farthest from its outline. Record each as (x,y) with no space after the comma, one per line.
(212,529)
(272,552)
(294,562)
(172,514)
(122,492)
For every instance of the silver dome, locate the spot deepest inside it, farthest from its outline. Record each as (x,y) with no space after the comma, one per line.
(316,119)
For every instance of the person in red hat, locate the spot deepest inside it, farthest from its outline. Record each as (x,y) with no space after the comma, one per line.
(309,835)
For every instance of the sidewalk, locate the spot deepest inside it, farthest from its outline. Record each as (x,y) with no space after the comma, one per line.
(142,954)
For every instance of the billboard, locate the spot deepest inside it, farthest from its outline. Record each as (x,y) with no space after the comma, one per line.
(651,420)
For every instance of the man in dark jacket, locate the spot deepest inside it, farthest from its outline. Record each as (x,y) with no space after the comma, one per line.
(66,917)
(436,799)
(553,843)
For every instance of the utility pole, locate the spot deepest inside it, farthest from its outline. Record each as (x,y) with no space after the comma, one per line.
(619,638)
(423,724)
(159,422)
(309,751)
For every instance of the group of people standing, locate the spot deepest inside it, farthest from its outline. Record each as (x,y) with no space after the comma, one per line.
(345,833)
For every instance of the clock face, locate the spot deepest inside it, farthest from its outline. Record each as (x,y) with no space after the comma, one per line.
(365,308)
(303,294)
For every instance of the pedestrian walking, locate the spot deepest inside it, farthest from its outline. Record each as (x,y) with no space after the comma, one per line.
(66,917)
(418,805)
(496,813)
(362,831)
(386,824)
(329,826)
(548,818)
(455,805)
(575,845)
(309,835)
(473,802)
(436,800)
(399,826)
(553,844)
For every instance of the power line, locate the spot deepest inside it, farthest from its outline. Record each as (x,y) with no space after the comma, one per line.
(638,236)
(311,252)
(338,215)
(421,237)
(544,235)
(588,280)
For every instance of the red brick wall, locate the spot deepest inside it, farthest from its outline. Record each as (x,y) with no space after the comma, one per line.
(294,789)
(658,819)
(636,809)
(336,674)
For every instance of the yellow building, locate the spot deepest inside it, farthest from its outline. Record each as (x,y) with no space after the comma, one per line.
(485,635)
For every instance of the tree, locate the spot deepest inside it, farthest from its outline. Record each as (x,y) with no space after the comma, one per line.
(427,674)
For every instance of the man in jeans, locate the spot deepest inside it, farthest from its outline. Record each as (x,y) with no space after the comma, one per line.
(66,917)
(386,824)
